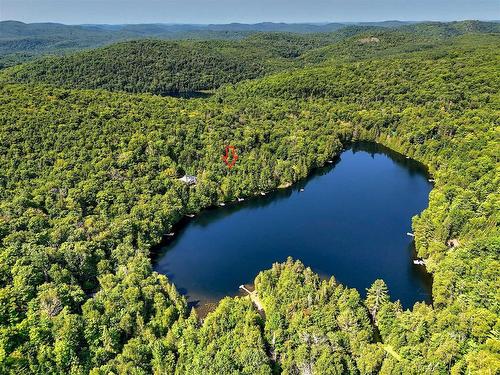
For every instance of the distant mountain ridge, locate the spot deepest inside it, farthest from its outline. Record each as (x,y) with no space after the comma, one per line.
(18,28)
(165,67)
(23,41)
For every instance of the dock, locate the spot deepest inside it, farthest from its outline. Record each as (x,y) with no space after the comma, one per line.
(253,297)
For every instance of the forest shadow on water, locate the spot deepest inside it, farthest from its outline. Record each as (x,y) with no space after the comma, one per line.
(350,221)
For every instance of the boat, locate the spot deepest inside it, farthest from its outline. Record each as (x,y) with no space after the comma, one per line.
(330,161)
(301,190)
(190,215)
(241,199)
(410,234)
(262,193)
(222,204)
(431,180)
(407,157)
(419,262)
(171,234)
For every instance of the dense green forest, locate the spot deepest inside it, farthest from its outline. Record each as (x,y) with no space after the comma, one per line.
(89,184)
(163,67)
(20,42)
(167,67)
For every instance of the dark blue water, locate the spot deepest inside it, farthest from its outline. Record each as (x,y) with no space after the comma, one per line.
(350,222)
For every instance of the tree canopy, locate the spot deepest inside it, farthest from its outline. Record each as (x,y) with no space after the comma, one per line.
(89,184)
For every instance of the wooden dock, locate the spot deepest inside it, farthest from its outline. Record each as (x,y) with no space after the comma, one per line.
(253,297)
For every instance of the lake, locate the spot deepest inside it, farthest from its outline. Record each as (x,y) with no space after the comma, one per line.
(350,221)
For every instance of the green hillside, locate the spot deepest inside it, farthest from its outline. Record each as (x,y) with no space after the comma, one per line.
(167,67)
(163,67)
(89,185)
(20,42)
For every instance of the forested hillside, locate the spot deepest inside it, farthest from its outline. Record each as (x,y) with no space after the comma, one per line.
(89,184)
(166,67)
(20,42)
(163,67)
(360,43)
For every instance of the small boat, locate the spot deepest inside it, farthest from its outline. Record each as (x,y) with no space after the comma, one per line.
(190,215)
(330,161)
(410,234)
(419,262)
(222,204)
(407,157)
(171,234)
(431,180)
(301,190)
(262,193)
(241,199)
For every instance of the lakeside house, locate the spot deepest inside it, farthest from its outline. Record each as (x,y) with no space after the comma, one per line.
(190,180)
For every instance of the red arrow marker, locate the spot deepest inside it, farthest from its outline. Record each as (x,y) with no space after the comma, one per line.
(230,151)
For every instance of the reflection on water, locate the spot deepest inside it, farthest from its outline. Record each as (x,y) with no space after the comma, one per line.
(350,222)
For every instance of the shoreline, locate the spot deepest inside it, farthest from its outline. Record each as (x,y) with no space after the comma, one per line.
(205,304)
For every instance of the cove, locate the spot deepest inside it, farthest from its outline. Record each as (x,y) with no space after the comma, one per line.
(350,221)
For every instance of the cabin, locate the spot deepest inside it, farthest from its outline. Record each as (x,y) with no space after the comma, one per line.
(190,180)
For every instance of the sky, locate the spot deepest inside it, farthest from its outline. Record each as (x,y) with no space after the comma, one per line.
(246,11)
